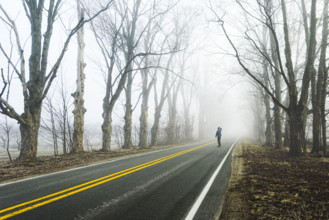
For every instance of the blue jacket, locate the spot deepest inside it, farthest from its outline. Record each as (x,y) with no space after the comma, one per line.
(219,132)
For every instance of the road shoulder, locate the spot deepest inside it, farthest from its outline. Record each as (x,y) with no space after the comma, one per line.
(233,206)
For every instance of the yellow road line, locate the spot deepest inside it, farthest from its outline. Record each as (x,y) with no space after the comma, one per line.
(78,186)
(107,179)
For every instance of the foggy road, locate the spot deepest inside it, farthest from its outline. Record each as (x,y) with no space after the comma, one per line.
(158,185)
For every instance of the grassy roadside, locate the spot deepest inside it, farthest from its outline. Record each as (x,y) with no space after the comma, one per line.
(268,184)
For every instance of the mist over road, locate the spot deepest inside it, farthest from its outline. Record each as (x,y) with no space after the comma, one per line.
(158,185)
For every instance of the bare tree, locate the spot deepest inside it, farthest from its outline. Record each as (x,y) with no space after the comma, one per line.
(7,129)
(130,42)
(172,104)
(151,68)
(182,35)
(111,36)
(146,89)
(107,31)
(118,134)
(49,108)
(297,102)
(187,92)
(159,102)
(319,86)
(64,120)
(35,87)
(203,84)
(257,110)
(277,78)
(117,36)
(177,40)
(61,118)
(266,97)
(152,31)
(79,109)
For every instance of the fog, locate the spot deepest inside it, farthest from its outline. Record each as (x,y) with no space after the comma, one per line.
(221,93)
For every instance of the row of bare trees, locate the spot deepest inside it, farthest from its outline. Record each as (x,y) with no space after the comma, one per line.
(139,41)
(284,53)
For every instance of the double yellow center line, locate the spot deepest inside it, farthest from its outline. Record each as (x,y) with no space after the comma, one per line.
(26,206)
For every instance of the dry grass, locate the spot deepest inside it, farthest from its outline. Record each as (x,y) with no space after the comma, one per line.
(277,186)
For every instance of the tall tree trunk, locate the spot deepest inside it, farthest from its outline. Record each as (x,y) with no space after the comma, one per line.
(129,54)
(304,118)
(65,122)
(109,102)
(268,129)
(316,128)
(202,116)
(259,119)
(172,132)
(106,126)
(143,121)
(277,83)
(30,125)
(296,108)
(53,128)
(155,127)
(296,131)
(188,123)
(108,105)
(171,127)
(202,121)
(144,106)
(64,134)
(29,132)
(159,106)
(7,144)
(318,89)
(128,113)
(316,113)
(29,141)
(157,113)
(266,97)
(323,111)
(286,139)
(277,113)
(323,121)
(79,109)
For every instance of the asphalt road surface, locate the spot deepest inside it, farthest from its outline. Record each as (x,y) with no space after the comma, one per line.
(160,185)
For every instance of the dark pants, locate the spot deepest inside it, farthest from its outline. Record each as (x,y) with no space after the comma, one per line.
(218,140)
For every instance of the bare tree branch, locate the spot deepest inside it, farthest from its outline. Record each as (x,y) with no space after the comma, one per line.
(10,111)
(52,74)
(249,72)
(5,83)
(21,73)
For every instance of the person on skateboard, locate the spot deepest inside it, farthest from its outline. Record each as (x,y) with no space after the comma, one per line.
(219,135)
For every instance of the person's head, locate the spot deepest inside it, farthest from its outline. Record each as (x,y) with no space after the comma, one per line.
(218,128)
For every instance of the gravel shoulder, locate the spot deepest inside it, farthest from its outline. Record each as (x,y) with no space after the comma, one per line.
(234,206)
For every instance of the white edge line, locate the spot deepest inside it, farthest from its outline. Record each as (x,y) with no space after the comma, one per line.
(205,190)
(95,164)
